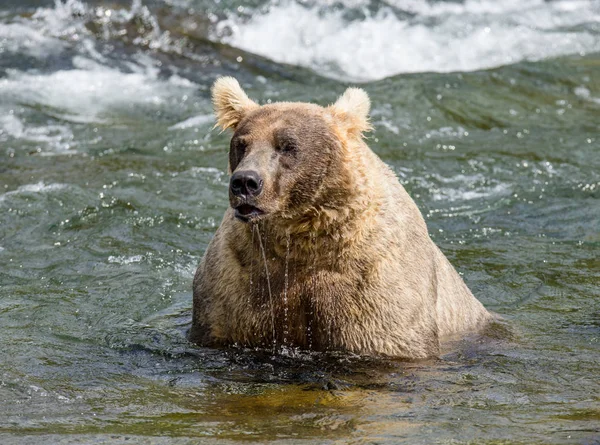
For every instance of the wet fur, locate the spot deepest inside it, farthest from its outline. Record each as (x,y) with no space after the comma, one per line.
(362,273)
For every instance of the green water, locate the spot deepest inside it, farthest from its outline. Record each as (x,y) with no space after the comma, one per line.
(109,197)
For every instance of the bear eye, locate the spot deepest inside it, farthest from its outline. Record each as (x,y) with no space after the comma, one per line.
(286,147)
(240,146)
(237,150)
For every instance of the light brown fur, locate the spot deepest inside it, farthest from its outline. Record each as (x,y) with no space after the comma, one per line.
(349,262)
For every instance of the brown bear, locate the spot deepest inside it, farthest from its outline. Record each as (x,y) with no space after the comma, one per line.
(321,247)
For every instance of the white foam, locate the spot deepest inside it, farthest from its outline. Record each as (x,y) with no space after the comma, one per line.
(91,88)
(186,270)
(11,125)
(586,94)
(463,187)
(195,121)
(440,37)
(462,194)
(65,19)
(50,30)
(19,38)
(99,89)
(45,32)
(59,138)
(39,187)
(123,260)
(69,19)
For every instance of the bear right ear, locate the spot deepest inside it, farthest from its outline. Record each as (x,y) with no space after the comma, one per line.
(352,108)
(231,102)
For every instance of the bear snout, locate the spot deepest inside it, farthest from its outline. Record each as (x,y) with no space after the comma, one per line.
(246,184)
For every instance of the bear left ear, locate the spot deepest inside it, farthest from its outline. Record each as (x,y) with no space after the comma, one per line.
(353,107)
(231,102)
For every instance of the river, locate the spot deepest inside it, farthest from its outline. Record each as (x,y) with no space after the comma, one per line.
(112,183)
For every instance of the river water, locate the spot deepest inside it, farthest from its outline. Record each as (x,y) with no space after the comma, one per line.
(112,184)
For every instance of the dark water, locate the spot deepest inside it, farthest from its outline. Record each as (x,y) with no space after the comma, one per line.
(112,184)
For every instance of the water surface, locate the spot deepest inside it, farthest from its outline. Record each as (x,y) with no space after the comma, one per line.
(112,184)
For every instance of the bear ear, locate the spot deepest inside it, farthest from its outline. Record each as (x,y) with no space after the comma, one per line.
(353,107)
(230,102)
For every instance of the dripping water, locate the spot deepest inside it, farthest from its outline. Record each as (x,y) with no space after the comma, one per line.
(254,228)
(264,257)
(261,282)
(285,289)
(311,299)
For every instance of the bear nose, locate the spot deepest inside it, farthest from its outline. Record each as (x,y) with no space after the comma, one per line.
(246,183)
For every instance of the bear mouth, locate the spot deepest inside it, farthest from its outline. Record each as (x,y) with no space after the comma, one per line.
(247,212)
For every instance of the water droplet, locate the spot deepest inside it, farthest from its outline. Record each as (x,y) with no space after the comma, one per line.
(268,278)
(285,289)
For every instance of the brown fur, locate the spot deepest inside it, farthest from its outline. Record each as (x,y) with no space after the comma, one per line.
(347,264)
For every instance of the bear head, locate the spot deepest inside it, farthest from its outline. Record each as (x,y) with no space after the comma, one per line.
(288,159)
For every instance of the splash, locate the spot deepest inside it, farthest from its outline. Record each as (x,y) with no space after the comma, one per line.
(99,89)
(354,43)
